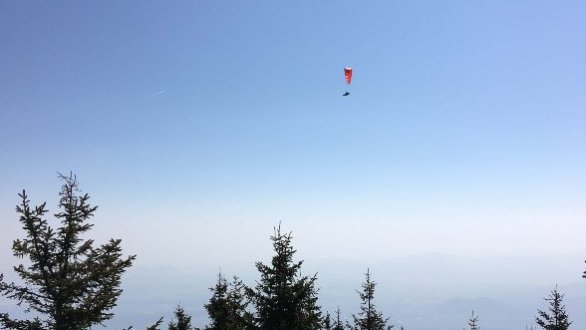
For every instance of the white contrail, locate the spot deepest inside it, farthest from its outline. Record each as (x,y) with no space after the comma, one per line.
(157,93)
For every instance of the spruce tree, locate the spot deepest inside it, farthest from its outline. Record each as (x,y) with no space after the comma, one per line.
(283,299)
(182,320)
(338,324)
(68,281)
(473,322)
(240,316)
(227,308)
(327,321)
(217,307)
(154,326)
(369,318)
(556,318)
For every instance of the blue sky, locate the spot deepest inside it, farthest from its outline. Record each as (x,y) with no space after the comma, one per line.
(201,124)
(197,126)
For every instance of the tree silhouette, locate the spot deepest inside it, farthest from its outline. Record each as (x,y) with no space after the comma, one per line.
(369,318)
(67,280)
(473,322)
(556,318)
(327,322)
(182,320)
(338,325)
(283,299)
(227,308)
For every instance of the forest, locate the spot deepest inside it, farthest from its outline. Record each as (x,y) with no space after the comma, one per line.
(69,283)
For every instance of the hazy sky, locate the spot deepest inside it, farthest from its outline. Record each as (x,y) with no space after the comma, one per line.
(197,126)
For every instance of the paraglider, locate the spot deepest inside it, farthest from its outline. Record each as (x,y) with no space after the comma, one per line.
(348,76)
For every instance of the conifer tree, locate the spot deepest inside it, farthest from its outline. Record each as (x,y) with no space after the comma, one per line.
(556,318)
(473,322)
(154,326)
(283,299)
(584,275)
(182,320)
(338,324)
(327,321)
(227,308)
(369,318)
(69,282)
(217,307)
(241,317)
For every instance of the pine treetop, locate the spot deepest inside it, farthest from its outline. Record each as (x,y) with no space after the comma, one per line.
(283,298)
(68,280)
(473,322)
(556,317)
(369,318)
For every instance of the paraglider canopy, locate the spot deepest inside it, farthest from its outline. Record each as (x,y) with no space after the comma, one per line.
(348,74)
